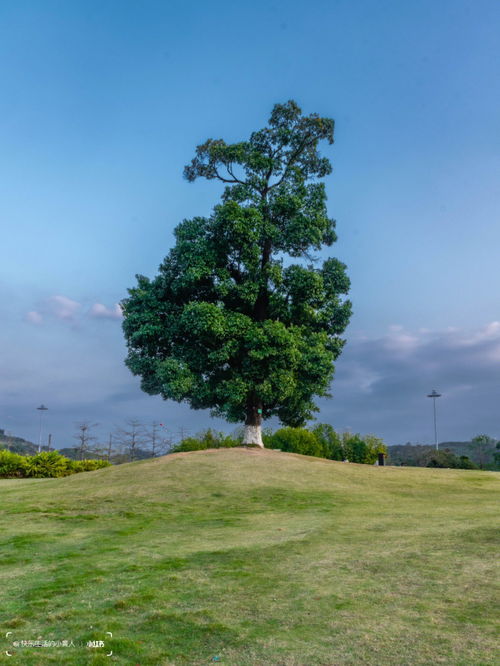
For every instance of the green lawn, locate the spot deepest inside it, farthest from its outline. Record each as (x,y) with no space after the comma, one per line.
(251,558)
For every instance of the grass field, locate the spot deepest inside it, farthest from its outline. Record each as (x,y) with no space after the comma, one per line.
(251,558)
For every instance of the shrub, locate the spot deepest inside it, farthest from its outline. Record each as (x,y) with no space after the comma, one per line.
(448,459)
(322,442)
(441,459)
(329,440)
(358,449)
(354,448)
(12,465)
(88,465)
(466,463)
(208,439)
(374,446)
(44,465)
(217,440)
(189,444)
(297,440)
(47,464)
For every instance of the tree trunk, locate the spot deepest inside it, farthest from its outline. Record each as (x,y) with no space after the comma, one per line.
(253,434)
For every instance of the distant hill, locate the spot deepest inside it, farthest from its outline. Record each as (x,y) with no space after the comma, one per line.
(414,454)
(17,444)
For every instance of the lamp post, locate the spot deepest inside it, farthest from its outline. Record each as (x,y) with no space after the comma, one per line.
(435,395)
(41,409)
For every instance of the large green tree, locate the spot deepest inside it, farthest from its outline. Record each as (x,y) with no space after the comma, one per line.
(230,323)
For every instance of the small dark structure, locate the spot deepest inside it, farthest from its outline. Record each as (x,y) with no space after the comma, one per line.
(381,459)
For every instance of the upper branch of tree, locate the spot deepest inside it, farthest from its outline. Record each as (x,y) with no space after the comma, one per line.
(236,180)
(227,180)
(304,144)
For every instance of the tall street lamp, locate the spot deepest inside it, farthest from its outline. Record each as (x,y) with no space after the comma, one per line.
(435,395)
(41,409)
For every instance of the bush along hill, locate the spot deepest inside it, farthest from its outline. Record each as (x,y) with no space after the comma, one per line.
(43,465)
(321,441)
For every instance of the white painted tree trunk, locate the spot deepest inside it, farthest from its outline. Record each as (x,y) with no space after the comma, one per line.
(253,436)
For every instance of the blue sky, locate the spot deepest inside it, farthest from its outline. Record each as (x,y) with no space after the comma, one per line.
(102,105)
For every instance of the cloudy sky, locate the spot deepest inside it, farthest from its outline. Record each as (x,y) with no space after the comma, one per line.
(102,105)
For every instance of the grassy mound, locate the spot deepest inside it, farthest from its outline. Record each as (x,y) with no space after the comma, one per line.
(249,558)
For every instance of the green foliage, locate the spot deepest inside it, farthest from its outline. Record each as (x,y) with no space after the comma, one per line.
(225,325)
(297,440)
(11,464)
(47,464)
(445,458)
(466,463)
(88,465)
(44,465)
(354,448)
(322,441)
(329,440)
(208,439)
(189,444)
(374,446)
(441,459)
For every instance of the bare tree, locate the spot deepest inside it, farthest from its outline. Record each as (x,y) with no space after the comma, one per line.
(103,450)
(84,438)
(183,433)
(109,450)
(132,437)
(160,443)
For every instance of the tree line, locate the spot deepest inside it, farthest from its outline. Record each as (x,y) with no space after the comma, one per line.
(481,452)
(134,440)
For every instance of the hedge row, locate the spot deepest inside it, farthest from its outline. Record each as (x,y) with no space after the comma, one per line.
(321,441)
(44,465)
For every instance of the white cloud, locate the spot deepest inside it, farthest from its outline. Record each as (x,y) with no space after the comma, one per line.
(100,311)
(62,307)
(400,341)
(68,310)
(34,317)
(490,332)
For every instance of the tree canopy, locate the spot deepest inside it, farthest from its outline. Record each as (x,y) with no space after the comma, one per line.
(230,323)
